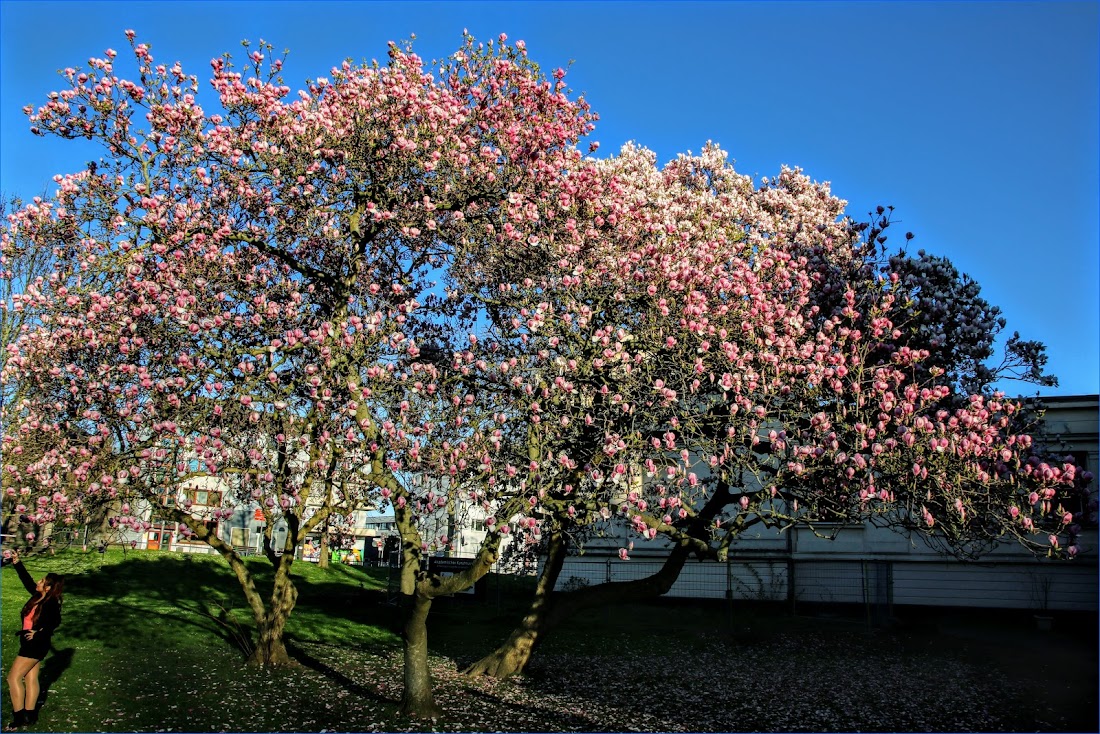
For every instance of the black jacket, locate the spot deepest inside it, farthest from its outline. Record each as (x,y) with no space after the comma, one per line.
(49,617)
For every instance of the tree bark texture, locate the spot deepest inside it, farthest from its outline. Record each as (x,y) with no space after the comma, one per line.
(418,700)
(323,560)
(270,649)
(419,586)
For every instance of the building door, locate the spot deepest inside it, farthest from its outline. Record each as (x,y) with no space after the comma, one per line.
(152,540)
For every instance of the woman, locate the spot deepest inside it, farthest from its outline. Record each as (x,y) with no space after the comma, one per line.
(40,616)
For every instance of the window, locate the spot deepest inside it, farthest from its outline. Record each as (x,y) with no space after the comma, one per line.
(166,496)
(238,537)
(205,497)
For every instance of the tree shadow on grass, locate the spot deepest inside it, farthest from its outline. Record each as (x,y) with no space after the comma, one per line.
(334,675)
(136,622)
(539,718)
(51,669)
(144,598)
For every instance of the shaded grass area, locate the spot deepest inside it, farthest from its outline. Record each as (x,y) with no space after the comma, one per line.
(152,642)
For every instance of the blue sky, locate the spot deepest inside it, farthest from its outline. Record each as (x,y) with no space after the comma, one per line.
(977,120)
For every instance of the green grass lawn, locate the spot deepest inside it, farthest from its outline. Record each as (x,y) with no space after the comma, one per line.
(151,642)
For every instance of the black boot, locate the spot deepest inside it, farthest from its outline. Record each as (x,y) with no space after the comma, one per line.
(18,719)
(30,716)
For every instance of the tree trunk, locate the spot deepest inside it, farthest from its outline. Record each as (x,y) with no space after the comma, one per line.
(418,700)
(323,560)
(418,588)
(512,656)
(548,612)
(270,649)
(549,609)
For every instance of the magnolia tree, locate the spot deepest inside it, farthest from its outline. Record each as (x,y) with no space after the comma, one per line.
(725,356)
(251,295)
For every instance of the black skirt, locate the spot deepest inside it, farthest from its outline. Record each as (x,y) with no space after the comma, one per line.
(34,648)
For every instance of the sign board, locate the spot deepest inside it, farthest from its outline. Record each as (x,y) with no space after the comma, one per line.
(259,514)
(450,566)
(440,564)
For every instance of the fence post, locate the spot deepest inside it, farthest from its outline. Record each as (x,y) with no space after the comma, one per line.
(889,586)
(866,595)
(883,593)
(607,578)
(729,591)
(792,597)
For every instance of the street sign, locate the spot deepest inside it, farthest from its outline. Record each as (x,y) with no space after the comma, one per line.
(259,514)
